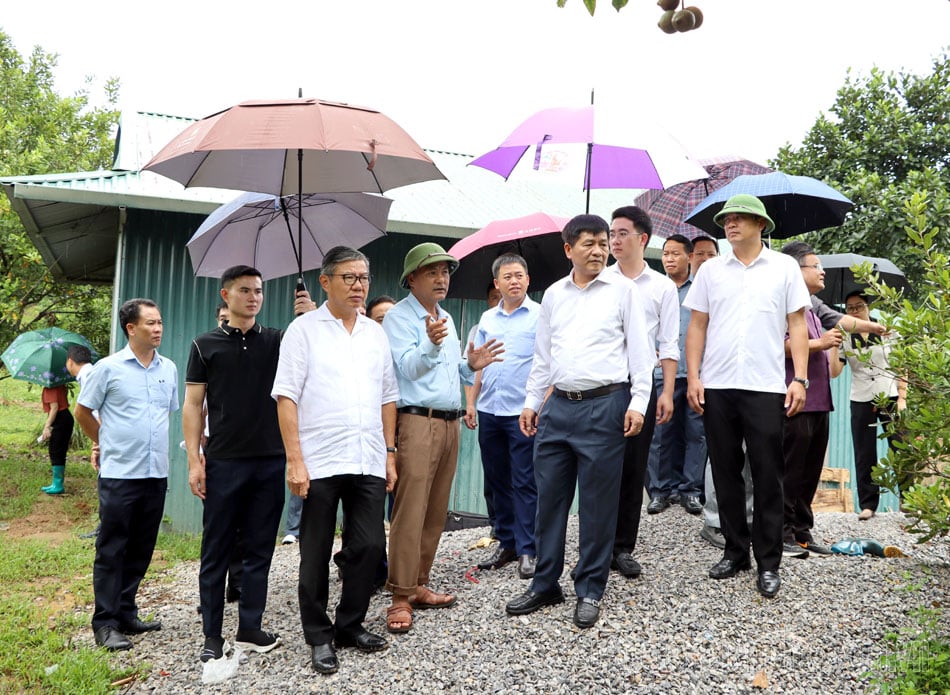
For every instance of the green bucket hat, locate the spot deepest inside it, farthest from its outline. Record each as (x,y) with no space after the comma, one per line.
(748,204)
(425,254)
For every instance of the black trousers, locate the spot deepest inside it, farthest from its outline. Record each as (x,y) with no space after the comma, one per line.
(864,420)
(130,513)
(732,416)
(636,454)
(364,499)
(246,497)
(61,434)
(806,439)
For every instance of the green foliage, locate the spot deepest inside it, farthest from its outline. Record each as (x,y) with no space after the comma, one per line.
(42,132)
(886,138)
(920,464)
(918,658)
(591,5)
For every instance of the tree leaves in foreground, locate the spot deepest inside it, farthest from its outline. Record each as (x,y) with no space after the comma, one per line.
(40,133)
(887,137)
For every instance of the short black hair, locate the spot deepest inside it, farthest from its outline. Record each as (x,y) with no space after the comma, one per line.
(858,293)
(338,255)
(679,239)
(505,259)
(577,225)
(130,311)
(381,299)
(641,220)
(79,354)
(223,306)
(705,237)
(238,271)
(798,250)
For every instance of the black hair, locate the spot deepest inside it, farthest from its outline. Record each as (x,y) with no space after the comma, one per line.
(381,299)
(705,237)
(238,271)
(222,306)
(130,311)
(641,220)
(679,239)
(79,354)
(577,225)
(505,259)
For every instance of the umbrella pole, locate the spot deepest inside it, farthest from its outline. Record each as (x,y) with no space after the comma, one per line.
(590,150)
(300,285)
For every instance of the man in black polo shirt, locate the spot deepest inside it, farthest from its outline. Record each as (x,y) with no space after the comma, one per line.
(240,476)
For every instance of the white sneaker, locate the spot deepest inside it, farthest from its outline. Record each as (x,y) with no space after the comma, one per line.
(289,539)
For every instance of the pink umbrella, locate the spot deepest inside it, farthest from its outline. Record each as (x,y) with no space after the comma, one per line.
(536,238)
(668,208)
(599,151)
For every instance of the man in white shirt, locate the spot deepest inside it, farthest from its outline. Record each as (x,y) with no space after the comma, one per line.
(741,307)
(591,352)
(336,398)
(630,231)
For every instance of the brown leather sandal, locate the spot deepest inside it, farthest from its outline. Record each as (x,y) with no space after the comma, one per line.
(399,619)
(426,598)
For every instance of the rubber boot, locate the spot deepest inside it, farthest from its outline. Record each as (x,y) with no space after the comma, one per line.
(56,487)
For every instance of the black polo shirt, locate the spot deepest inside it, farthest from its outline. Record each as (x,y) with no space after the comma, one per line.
(238,371)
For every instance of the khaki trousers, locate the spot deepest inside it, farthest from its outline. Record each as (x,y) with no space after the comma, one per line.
(425,464)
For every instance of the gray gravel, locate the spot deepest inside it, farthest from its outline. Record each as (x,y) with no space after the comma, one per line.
(671,631)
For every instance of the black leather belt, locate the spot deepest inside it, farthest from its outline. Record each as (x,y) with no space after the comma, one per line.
(431,412)
(591,393)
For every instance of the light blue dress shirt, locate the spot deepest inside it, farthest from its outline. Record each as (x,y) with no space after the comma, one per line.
(133,403)
(503,383)
(429,375)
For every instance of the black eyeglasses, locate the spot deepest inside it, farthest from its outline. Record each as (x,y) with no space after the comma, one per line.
(351,279)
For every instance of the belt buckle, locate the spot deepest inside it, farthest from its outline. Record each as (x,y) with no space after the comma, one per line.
(574,395)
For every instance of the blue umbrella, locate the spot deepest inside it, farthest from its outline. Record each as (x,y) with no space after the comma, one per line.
(797,204)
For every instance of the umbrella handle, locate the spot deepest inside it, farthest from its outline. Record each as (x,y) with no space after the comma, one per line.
(301,287)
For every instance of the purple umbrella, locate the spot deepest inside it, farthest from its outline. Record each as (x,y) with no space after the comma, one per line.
(597,151)
(668,207)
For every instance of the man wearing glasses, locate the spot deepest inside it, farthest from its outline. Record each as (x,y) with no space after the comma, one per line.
(336,396)
(429,368)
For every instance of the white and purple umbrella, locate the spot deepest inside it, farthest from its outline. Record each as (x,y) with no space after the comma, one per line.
(602,149)
(255,229)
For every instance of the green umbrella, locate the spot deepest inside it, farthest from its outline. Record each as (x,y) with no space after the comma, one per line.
(40,356)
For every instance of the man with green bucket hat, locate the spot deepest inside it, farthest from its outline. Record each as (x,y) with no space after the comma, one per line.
(429,368)
(742,306)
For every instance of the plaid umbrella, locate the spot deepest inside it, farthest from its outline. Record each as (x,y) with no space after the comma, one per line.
(668,207)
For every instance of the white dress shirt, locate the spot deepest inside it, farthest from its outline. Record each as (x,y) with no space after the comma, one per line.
(748,308)
(661,310)
(590,337)
(339,381)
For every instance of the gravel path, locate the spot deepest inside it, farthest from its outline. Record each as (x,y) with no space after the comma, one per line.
(671,631)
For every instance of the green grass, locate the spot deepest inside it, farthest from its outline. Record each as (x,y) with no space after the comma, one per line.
(47,579)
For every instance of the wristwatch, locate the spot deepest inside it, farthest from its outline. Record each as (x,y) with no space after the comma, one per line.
(803,382)
(391,449)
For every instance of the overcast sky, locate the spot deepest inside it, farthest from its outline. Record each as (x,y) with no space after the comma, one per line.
(459,75)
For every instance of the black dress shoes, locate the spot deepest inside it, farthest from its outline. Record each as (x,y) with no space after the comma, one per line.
(691,504)
(137,627)
(498,559)
(363,640)
(526,565)
(626,565)
(658,504)
(726,568)
(323,658)
(110,638)
(530,601)
(768,583)
(586,612)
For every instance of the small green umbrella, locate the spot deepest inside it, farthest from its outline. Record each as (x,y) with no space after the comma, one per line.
(40,356)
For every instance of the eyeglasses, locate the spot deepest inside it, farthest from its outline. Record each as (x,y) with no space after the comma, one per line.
(623,235)
(816,266)
(350,279)
(854,308)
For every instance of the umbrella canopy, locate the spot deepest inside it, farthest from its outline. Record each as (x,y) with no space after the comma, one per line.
(40,356)
(256,229)
(536,238)
(269,146)
(595,150)
(840,280)
(797,204)
(669,206)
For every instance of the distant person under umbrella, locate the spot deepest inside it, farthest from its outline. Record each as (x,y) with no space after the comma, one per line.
(57,432)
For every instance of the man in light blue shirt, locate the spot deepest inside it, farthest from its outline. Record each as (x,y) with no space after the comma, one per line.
(134,390)
(507,454)
(429,368)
